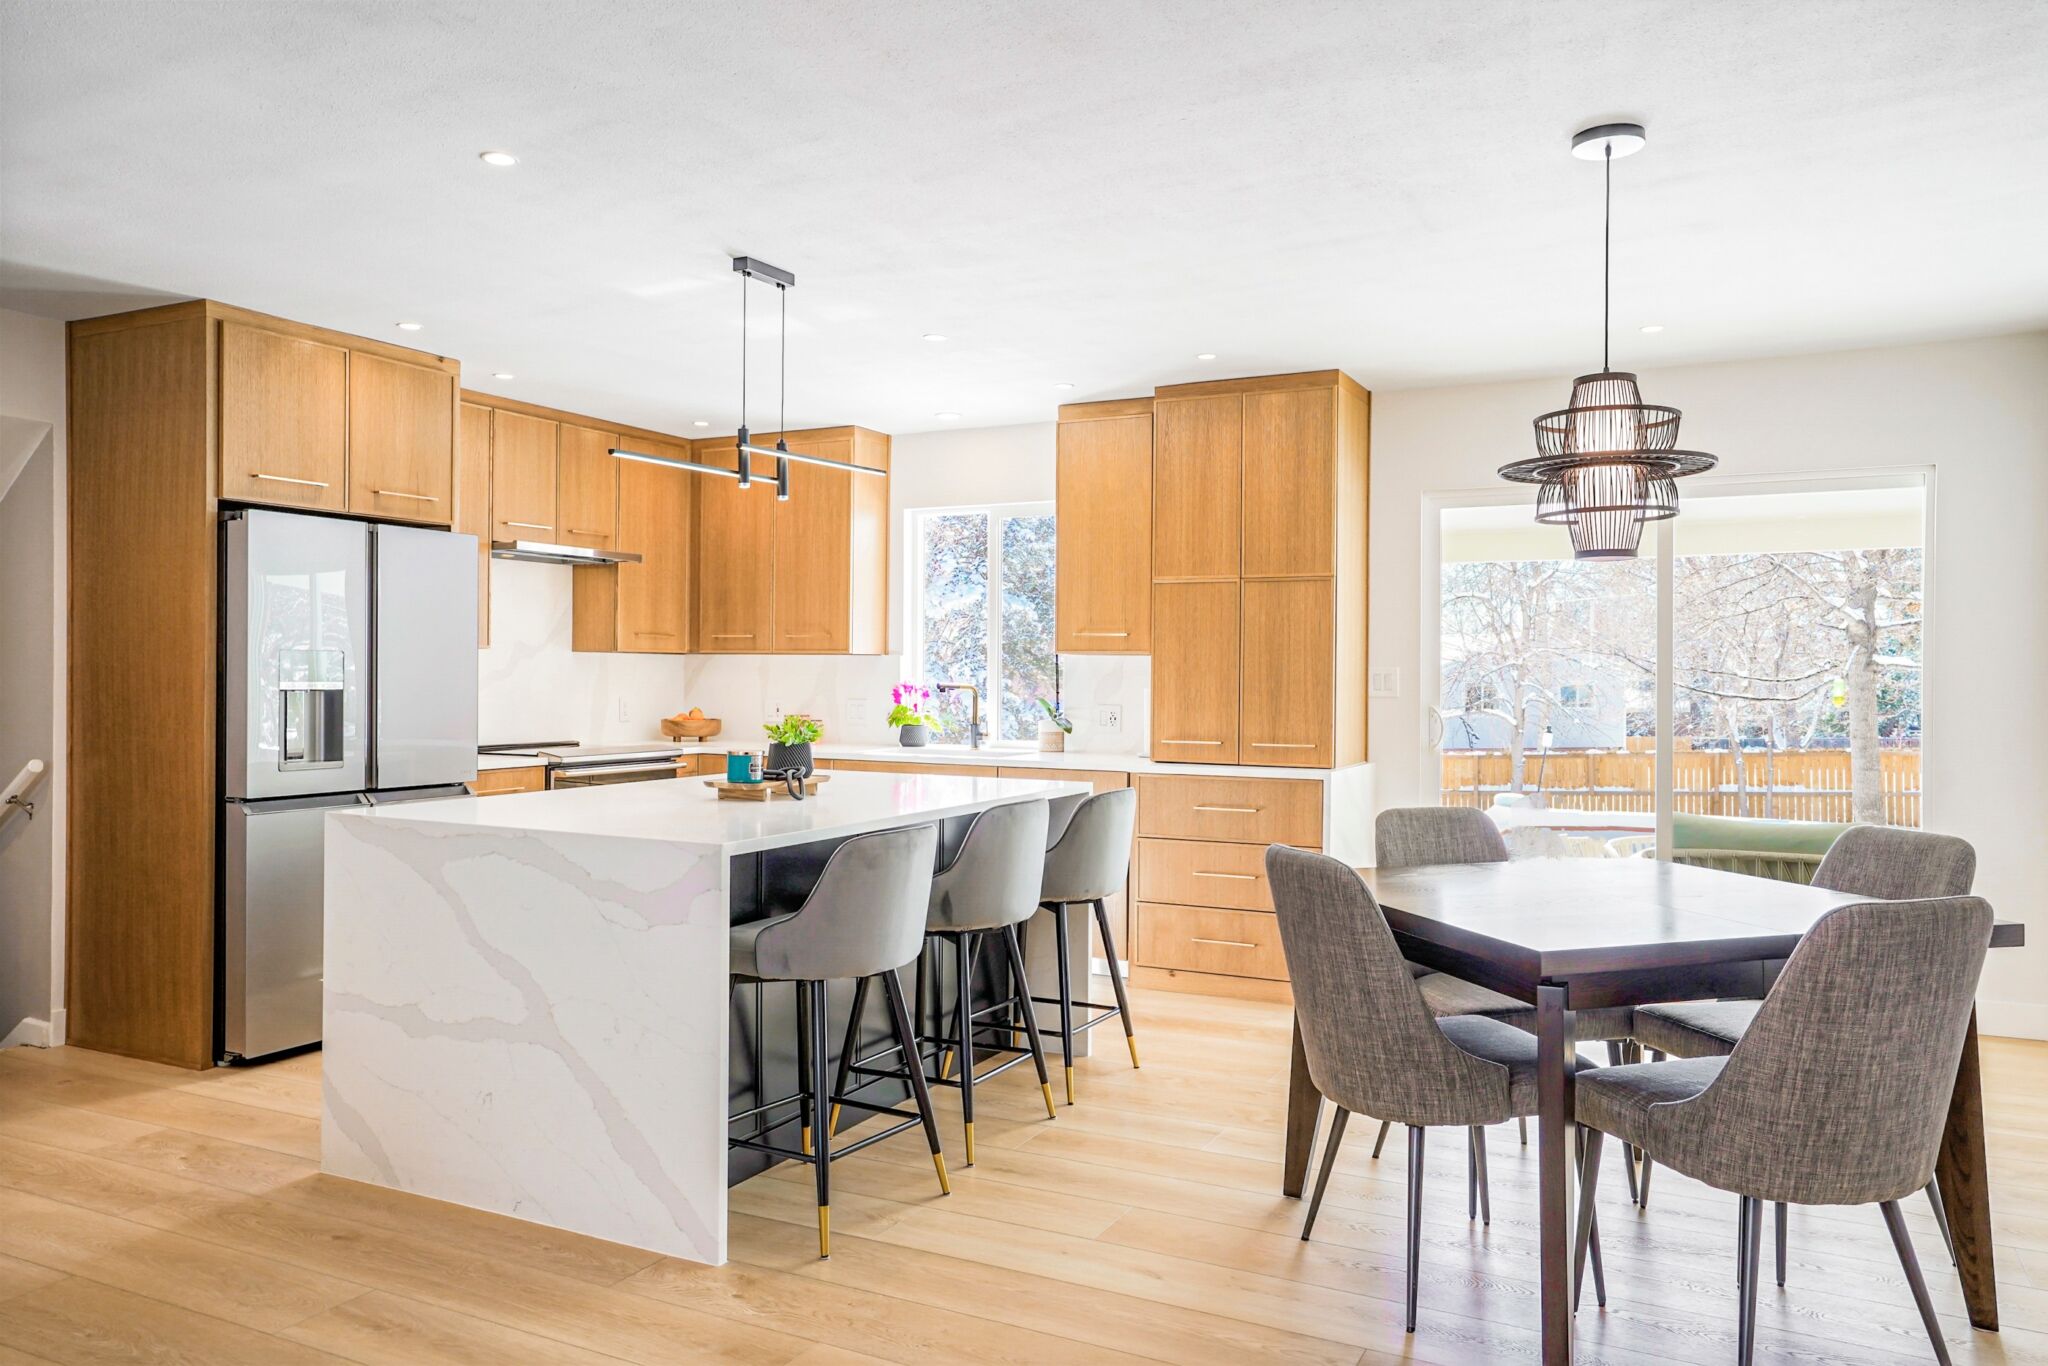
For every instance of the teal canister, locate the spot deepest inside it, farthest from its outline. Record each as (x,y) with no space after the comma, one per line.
(743,766)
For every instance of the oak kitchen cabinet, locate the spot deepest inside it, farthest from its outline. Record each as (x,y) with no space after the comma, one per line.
(401,440)
(522,476)
(587,487)
(1104,578)
(643,608)
(1259,571)
(733,550)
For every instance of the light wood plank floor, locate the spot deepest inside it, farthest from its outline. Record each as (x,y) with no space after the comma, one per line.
(148,1214)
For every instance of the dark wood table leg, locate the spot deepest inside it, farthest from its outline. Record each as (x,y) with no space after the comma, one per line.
(1554,1121)
(1966,1187)
(1304,1113)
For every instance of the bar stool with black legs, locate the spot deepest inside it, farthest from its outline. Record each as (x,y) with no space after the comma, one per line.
(863,921)
(980,898)
(1087,863)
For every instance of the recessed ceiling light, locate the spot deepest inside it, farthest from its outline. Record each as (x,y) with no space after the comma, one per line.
(947,417)
(1064,384)
(1206,355)
(410,327)
(503,374)
(497,158)
(700,423)
(1651,329)
(935,336)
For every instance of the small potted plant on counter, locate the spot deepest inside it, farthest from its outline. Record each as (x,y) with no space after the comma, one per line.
(789,744)
(913,723)
(1054,730)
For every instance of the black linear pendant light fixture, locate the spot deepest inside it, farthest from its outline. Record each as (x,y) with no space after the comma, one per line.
(750,269)
(1609,462)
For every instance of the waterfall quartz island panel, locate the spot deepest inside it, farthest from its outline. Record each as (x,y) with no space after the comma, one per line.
(527,1003)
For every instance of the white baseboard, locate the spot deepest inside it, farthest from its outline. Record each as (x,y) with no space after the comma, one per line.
(31,1032)
(2013,1019)
(60,1027)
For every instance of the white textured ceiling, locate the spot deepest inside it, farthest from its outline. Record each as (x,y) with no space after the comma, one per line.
(1091,192)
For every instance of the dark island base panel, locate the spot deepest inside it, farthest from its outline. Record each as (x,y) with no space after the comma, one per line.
(764,1028)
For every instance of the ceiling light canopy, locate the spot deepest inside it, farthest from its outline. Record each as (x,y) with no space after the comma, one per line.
(495,158)
(1606,464)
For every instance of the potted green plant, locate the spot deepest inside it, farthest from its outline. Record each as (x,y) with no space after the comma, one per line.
(789,743)
(1054,730)
(913,723)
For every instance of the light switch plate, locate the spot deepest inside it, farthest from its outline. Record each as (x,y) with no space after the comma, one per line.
(1385,683)
(857,712)
(622,708)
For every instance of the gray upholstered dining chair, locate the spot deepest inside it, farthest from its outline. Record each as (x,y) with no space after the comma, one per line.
(1087,860)
(1372,1044)
(1837,1093)
(863,920)
(1876,861)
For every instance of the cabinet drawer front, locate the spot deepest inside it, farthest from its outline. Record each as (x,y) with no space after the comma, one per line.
(1198,939)
(1242,810)
(491,782)
(1204,873)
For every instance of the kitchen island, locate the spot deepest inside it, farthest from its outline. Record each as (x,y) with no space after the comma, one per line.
(527,1006)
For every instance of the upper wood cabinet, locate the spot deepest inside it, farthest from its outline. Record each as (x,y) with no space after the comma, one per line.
(643,608)
(522,477)
(1197,473)
(1290,454)
(401,440)
(283,419)
(587,498)
(733,550)
(1104,579)
(1195,672)
(473,502)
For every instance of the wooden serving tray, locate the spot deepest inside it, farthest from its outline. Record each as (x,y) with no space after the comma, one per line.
(770,790)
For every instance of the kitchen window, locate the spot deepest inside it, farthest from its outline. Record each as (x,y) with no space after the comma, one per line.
(981,612)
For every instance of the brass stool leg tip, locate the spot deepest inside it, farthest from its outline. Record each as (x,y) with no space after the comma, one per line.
(1132,1040)
(824,1232)
(807,1138)
(1046,1087)
(945,1181)
(970,1143)
(1070,1086)
(832,1123)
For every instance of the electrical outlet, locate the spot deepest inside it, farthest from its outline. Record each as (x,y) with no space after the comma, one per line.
(857,712)
(1109,716)
(1385,683)
(622,708)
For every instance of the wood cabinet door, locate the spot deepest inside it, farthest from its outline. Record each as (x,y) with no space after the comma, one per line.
(401,440)
(522,477)
(1197,481)
(734,550)
(473,502)
(814,553)
(1289,672)
(1290,483)
(587,488)
(1104,578)
(1194,672)
(654,522)
(283,419)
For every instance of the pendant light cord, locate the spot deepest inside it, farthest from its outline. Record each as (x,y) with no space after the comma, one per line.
(1607,259)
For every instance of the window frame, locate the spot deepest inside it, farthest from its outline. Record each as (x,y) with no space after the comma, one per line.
(914,586)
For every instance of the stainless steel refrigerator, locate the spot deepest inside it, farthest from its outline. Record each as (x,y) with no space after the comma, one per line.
(348,678)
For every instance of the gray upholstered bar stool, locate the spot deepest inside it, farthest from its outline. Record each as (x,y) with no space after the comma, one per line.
(1837,1093)
(1373,1044)
(1865,860)
(1087,860)
(989,889)
(863,920)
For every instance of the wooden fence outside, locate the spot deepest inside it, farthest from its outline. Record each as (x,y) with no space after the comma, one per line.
(1800,784)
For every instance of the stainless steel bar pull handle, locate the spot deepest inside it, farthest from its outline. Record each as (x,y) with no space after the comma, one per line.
(1192,742)
(531,526)
(1234,877)
(1233,810)
(1227,943)
(287,479)
(1275,744)
(1116,634)
(416,497)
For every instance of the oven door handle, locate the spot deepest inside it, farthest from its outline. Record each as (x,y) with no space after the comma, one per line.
(573,772)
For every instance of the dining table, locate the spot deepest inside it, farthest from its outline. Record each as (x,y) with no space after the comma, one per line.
(1567,935)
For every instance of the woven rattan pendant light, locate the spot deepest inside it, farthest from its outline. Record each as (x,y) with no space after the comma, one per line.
(1607,463)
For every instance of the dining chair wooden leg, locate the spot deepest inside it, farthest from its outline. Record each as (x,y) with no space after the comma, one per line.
(1330,1146)
(1590,1141)
(1895,1224)
(1485,1196)
(1778,1226)
(1381,1141)
(1752,1247)
(1941,1219)
(1015,953)
(847,1051)
(1643,1174)
(1471,1174)
(1522,1123)
(906,1038)
(1415,1133)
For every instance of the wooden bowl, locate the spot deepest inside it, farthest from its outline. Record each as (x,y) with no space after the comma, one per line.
(690,727)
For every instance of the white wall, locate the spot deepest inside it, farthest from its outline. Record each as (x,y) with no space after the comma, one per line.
(32,576)
(1976,412)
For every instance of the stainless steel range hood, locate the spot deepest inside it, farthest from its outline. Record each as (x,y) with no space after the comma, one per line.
(543,552)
